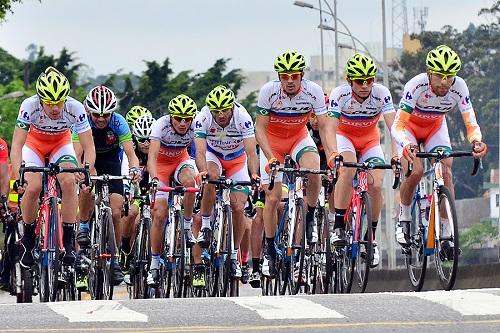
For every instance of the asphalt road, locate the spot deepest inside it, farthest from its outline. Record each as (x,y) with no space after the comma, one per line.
(476,310)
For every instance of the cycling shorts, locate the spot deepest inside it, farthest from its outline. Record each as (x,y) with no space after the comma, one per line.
(432,137)
(370,152)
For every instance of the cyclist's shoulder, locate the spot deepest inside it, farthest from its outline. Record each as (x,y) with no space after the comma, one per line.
(311,86)
(74,106)
(459,85)
(271,87)
(241,112)
(380,90)
(31,104)
(418,82)
(341,92)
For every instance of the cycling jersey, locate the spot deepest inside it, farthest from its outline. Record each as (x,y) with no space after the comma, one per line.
(288,115)
(319,145)
(226,143)
(173,146)
(4,152)
(420,109)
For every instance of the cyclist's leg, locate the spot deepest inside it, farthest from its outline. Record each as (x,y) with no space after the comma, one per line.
(245,250)
(185,174)
(256,234)
(160,213)
(343,188)
(207,202)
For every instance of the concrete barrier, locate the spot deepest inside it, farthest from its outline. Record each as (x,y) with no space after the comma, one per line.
(473,276)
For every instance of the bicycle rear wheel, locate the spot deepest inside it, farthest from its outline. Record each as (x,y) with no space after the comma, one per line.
(297,274)
(415,259)
(446,248)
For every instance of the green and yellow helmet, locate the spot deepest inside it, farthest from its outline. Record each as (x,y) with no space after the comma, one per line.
(289,61)
(135,113)
(182,106)
(444,60)
(220,98)
(360,66)
(52,85)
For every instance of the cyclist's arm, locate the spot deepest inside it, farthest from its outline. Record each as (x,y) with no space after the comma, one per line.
(398,127)
(261,123)
(389,121)
(128,148)
(18,141)
(327,131)
(88,147)
(154,148)
(253,162)
(77,146)
(201,153)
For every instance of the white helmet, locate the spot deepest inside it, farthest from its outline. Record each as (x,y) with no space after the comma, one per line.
(142,127)
(100,100)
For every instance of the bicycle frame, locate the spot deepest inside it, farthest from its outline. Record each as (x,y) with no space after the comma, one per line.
(360,185)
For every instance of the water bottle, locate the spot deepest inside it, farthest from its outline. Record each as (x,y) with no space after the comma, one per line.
(424,210)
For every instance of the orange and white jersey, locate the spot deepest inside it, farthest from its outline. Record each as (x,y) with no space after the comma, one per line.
(32,117)
(420,107)
(173,146)
(288,116)
(359,119)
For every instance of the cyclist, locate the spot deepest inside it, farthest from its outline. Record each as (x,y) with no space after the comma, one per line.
(168,157)
(141,130)
(283,109)
(135,113)
(4,178)
(110,132)
(427,98)
(43,131)
(356,108)
(225,142)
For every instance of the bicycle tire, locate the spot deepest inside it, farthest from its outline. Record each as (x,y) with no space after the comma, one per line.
(299,248)
(108,236)
(362,260)
(53,257)
(282,263)
(26,294)
(226,266)
(447,271)
(416,260)
(178,265)
(94,274)
(330,262)
(140,289)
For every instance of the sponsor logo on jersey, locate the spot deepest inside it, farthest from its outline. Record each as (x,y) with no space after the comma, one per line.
(408,96)
(110,138)
(198,125)
(387,99)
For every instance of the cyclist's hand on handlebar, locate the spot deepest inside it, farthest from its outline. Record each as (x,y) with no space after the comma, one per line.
(154,183)
(331,160)
(395,163)
(18,187)
(255,181)
(200,177)
(273,162)
(135,174)
(479,149)
(410,152)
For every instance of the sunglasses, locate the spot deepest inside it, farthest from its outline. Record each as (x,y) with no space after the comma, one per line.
(221,112)
(53,103)
(98,115)
(443,76)
(363,81)
(143,140)
(180,119)
(288,76)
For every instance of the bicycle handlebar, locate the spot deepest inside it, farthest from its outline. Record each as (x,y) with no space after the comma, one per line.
(54,169)
(372,166)
(107,178)
(440,155)
(178,189)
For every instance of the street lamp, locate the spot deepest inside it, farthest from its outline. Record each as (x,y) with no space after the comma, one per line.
(327,27)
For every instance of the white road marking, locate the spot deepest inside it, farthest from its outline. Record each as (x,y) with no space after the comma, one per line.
(468,303)
(96,311)
(285,307)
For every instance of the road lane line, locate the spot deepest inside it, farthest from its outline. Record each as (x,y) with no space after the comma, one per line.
(285,307)
(96,311)
(468,303)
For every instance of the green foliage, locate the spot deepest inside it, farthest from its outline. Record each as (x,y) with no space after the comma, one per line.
(5,6)
(478,235)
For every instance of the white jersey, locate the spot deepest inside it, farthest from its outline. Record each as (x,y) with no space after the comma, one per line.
(32,116)
(288,116)
(172,144)
(227,142)
(356,116)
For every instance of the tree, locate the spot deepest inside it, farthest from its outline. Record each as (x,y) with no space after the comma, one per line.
(5,6)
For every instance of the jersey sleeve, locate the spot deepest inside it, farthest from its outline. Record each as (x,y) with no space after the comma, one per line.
(318,100)
(398,128)
(120,127)
(4,152)
(263,100)
(245,124)
(468,115)
(156,129)
(24,117)
(74,135)
(334,106)
(201,123)
(409,98)
(81,121)
(386,101)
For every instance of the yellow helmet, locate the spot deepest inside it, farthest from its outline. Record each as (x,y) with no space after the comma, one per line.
(52,85)
(289,61)
(182,106)
(220,98)
(360,66)
(443,59)
(135,113)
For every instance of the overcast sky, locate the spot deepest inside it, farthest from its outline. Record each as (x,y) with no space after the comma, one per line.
(108,35)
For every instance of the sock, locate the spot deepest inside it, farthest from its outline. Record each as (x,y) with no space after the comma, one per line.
(405,213)
(339,218)
(271,250)
(244,256)
(84,225)
(256,264)
(125,245)
(155,261)
(331,221)
(29,230)
(234,254)
(374,228)
(187,223)
(205,222)
(68,230)
(310,213)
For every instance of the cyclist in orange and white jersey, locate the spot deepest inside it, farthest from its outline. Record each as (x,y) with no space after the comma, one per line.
(283,110)
(225,142)
(4,178)
(356,108)
(168,157)
(427,98)
(43,131)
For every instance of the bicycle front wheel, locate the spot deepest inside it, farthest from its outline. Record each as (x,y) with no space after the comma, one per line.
(363,246)
(178,264)
(446,248)
(415,258)
(53,250)
(297,277)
